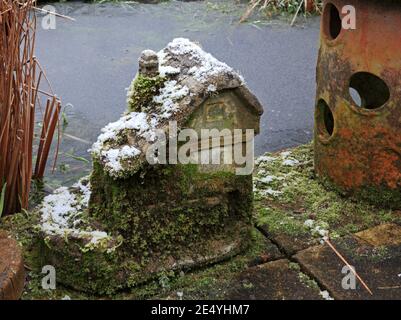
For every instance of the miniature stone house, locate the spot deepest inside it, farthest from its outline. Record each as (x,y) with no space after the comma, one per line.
(358,101)
(134,219)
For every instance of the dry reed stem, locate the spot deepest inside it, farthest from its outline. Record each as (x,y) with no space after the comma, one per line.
(20,77)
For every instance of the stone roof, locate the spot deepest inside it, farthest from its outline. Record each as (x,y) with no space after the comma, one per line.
(187,77)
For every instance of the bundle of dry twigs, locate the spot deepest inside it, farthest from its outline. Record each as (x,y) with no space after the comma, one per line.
(20,77)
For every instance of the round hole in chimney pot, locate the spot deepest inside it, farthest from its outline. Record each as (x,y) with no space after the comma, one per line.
(324,119)
(368,91)
(332,23)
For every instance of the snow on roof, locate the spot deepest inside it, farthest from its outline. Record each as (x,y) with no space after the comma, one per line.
(190,76)
(183,54)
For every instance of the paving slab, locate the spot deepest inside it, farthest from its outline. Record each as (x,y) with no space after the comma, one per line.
(290,244)
(269,253)
(374,253)
(12,273)
(388,234)
(275,280)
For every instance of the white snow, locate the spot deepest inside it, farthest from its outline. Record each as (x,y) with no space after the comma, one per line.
(318,230)
(206,65)
(111,149)
(326,295)
(290,162)
(309,223)
(166,70)
(266,179)
(285,154)
(169,94)
(211,88)
(264,159)
(61,213)
(132,121)
(270,192)
(112,156)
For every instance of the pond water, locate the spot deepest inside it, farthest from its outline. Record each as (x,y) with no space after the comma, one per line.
(91,61)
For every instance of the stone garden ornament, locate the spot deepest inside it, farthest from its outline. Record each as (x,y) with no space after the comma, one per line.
(171,186)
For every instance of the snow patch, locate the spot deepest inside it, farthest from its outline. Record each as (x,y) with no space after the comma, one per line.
(317,230)
(61,214)
(168,70)
(285,154)
(211,88)
(206,65)
(290,162)
(264,159)
(169,94)
(107,147)
(326,295)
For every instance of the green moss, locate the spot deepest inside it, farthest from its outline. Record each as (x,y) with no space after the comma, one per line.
(298,195)
(366,254)
(381,197)
(144,89)
(190,206)
(306,280)
(204,283)
(93,271)
(22,226)
(280,221)
(158,219)
(294,266)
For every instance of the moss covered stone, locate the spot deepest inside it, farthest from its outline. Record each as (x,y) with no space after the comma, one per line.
(173,216)
(292,203)
(142,91)
(134,220)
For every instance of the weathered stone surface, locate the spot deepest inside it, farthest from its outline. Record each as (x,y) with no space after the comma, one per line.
(272,281)
(188,78)
(388,234)
(269,253)
(12,272)
(148,64)
(290,244)
(378,266)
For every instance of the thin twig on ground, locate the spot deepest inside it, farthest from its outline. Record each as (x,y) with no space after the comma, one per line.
(348,265)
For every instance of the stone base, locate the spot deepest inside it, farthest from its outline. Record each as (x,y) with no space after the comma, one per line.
(105,269)
(12,272)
